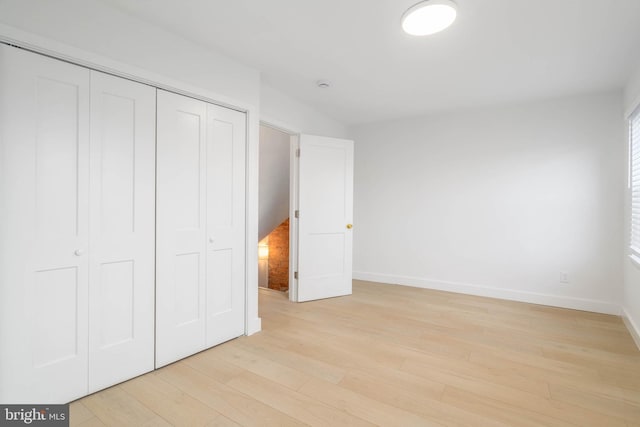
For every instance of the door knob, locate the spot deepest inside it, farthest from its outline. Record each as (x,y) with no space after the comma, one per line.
(349,226)
(78,252)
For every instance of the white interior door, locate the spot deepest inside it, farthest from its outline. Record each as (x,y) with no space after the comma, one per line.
(325,205)
(181,227)
(44,183)
(122,230)
(226,135)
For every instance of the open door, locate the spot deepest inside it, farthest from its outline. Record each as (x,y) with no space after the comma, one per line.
(323,218)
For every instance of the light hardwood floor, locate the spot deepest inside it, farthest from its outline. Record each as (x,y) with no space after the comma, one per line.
(393,356)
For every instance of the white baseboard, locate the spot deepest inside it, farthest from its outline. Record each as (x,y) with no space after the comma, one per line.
(255,325)
(491,292)
(632,326)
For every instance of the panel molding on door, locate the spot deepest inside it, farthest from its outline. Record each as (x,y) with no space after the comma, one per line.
(44,188)
(181,227)
(122,230)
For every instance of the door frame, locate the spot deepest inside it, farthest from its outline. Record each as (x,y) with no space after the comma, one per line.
(294,196)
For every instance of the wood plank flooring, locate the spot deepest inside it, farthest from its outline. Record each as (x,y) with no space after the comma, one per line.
(393,356)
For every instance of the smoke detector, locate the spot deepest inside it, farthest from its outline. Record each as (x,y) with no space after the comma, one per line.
(323,84)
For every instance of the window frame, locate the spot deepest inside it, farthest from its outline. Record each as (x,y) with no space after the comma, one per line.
(634,186)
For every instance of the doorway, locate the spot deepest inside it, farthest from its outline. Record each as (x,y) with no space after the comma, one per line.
(274,195)
(307,199)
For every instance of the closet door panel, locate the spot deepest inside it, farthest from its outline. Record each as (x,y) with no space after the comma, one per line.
(226,135)
(181,227)
(44,155)
(122,229)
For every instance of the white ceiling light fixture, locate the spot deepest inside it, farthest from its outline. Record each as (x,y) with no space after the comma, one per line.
(429,17)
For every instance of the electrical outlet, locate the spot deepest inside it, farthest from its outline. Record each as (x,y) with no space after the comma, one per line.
(564,277)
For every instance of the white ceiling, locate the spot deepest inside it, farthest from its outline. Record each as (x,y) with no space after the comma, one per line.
(497,51)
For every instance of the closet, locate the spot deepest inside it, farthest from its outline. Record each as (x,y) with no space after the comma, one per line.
(78,281)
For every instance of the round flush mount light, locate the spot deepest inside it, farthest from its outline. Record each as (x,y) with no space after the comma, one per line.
(429,17)
(323,84)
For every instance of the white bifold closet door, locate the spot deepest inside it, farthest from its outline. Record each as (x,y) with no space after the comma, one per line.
(76,229)
(200,282)
(121,230)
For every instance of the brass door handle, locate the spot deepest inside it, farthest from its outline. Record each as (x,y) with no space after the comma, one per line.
(349,226)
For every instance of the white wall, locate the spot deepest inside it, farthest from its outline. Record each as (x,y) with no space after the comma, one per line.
(497,202)
(631,270)
(94,26)
(96,34)
(274,180)
(632,92)
(293,116)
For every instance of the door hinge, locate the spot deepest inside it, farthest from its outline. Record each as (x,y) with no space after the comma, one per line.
(296,214)
(295,275)
(298,152)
